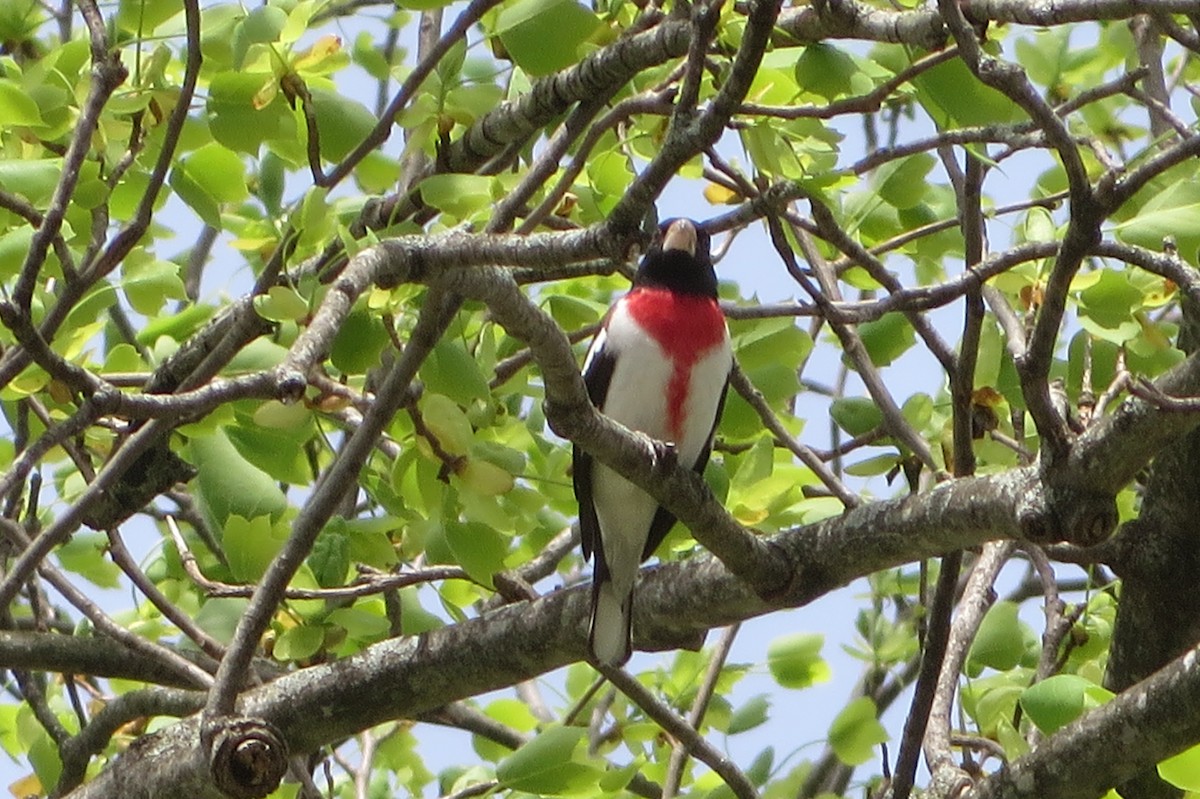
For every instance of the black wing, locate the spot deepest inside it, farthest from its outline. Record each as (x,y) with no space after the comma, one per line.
(664,520)
(596,376)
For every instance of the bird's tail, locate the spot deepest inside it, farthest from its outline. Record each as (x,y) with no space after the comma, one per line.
(612,618)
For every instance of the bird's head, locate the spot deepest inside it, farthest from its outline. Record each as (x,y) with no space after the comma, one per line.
(679,259)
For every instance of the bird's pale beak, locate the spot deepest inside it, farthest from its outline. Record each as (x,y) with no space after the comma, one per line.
(681,235)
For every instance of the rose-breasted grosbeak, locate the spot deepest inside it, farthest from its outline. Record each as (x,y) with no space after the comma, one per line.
(659,365)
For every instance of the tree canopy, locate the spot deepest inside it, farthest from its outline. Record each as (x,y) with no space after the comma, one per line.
(293,302)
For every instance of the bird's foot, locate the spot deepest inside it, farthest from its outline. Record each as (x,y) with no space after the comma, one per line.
(663,453)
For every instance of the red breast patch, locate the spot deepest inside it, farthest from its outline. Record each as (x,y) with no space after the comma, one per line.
(686,326)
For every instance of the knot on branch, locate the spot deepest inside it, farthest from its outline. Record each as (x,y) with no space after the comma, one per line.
(1074,515)
(247,758)
(106,400)
(290,385)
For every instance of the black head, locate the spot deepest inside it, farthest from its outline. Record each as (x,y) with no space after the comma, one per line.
(679,259)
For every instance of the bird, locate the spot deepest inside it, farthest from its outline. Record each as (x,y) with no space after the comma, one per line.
(659,365)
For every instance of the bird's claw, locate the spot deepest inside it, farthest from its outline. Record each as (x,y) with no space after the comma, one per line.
(663,453)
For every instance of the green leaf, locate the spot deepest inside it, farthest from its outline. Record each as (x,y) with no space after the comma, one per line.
(954,97)
(447,422)
(609,173)
(873,467)
(84,554)
(123,358)
(14,246)
(452,371)
(1182,770)
(542,36)
(1000,642)
(1112,299)
(856,732)
(176,326)
(1055,701)
(342,123)
(1039,225)
(902,184)
(43,756)
(855,415)
(377,172)
(479,549)
(548,765)
(195,196)
(276,415)
(467,103)
(512,713)
(750,715)
(278,452)
(572,313)
(256,356)
(1170,211)
(17,108)
(415,619)
(264,24)
(143,16)
(219,617)
(219,171)
(272,177)
(228,484)
(918,410)
(235,117)
(359,342)
(423,5)
(484,478)
(281,304)
(251,545)
(992,700)
(34,179)
(148,283)
(20,21)
(616,779)
(825,71)
(330,559)
(765,342)
(760,768)
(208,178)
(359,623)
(887,338)
(458,195)
(299,643)
(795,660)
(754,465)
(368,539)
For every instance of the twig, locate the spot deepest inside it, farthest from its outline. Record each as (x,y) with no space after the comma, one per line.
(412,84)
(699,707)
(438,311)
(656,101)
(746,389)
(1143,389)
(1122,380)
(185,669)
(977,598)
(862,104)
(684,734)
(116,713)
(368,584)
(120,555)
(851,342)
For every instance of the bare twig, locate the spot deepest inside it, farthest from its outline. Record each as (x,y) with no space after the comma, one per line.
(699,707)
(678,728)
